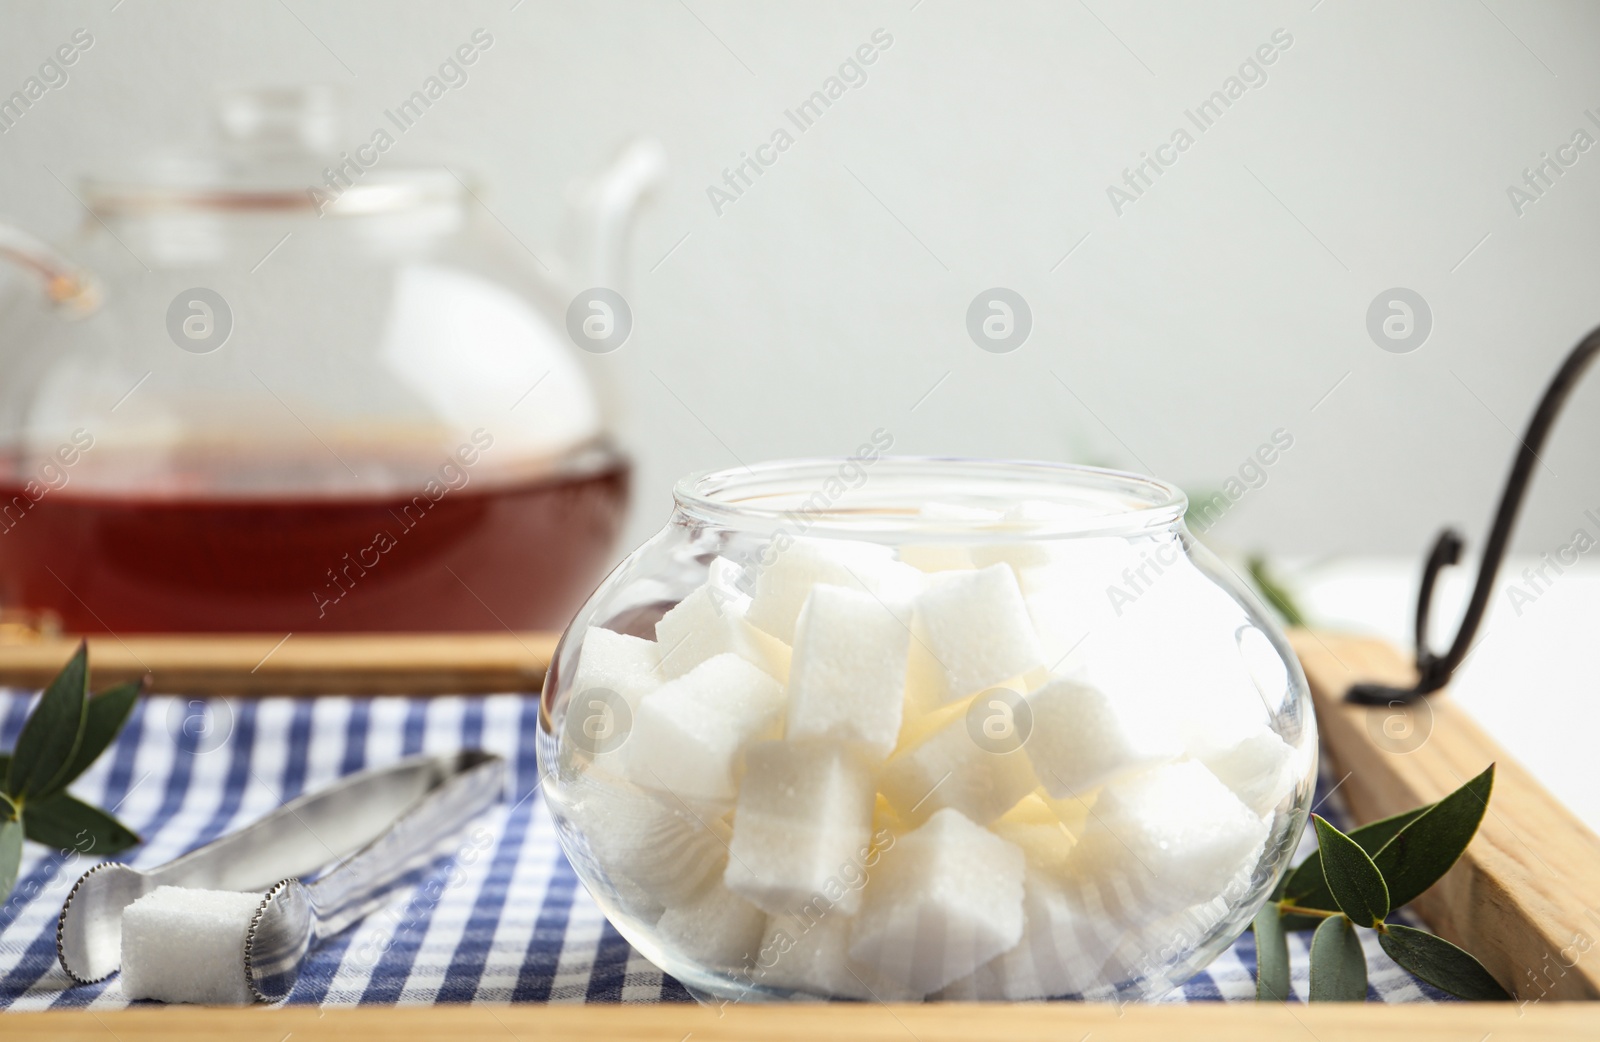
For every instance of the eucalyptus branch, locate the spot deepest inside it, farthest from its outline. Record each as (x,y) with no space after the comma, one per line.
(1290,908)
(65,733)
(1355,881)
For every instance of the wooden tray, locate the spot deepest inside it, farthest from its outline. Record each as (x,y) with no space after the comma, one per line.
(299,664)
(1525,898)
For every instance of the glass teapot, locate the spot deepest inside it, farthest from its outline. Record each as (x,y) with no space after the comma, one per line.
(264,392)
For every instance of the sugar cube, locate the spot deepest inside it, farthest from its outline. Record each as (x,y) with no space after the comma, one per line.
(1200,681)
(812,955)
(952,769)
(182,945)
(783,583)
(1261,769)
(709,622)
(610,666)
(1059,618)
(1082,738)
(847,677)
(689,734)
(606,654)
(1174,834)
(945,899)
(1060,954)
(715,927)
(803,827)
(1076,598)
(665,848)
(972,630)
(730,577)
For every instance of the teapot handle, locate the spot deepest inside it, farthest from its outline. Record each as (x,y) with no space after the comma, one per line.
(601,213)
(72,289)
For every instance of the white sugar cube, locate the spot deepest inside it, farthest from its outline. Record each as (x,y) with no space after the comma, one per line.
(606,654)
(1060,955)
(715,927)
(1061,616)
(610,665)
(730,577)
(1082,738)
(783,583)
(710,622)
(847,678)
(945,899)
(973,631)
(665,849)
(952,769)
(1174,834)
(182,945)
(812,956)
(1261,769)
(1200,681)
(1077,598)
(689,734)
(803,827)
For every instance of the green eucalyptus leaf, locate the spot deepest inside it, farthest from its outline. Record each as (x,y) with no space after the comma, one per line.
(1272,955)
(1353,879)
(1441,964)
(1274,592)
(106,714)
(1308,889)
(1338,967)
(1425,849)
(66,823)
(51,735)
(10,855)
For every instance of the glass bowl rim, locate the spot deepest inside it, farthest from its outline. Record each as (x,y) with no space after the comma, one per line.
(722,497)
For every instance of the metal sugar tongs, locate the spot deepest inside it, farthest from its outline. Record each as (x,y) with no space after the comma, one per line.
(388,824)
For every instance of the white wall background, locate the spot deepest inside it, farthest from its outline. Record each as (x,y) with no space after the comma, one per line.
(826,302)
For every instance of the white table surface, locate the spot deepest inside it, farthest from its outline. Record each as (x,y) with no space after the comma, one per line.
(1532,681)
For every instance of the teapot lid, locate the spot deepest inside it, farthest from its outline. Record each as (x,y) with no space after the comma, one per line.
(277,149)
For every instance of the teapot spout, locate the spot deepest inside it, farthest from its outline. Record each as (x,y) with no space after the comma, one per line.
(75,291)
(601,212)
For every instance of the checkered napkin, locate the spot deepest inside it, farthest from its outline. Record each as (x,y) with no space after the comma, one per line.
(506,922)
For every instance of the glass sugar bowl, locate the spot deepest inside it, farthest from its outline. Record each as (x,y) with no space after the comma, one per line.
(904,728)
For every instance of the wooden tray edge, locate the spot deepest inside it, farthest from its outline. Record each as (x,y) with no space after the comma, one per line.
(298,664)
(1057,1022)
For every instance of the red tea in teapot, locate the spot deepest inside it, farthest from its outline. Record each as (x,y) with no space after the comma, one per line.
(454,550)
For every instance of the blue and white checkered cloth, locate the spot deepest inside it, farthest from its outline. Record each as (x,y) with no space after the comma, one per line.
(507,922)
